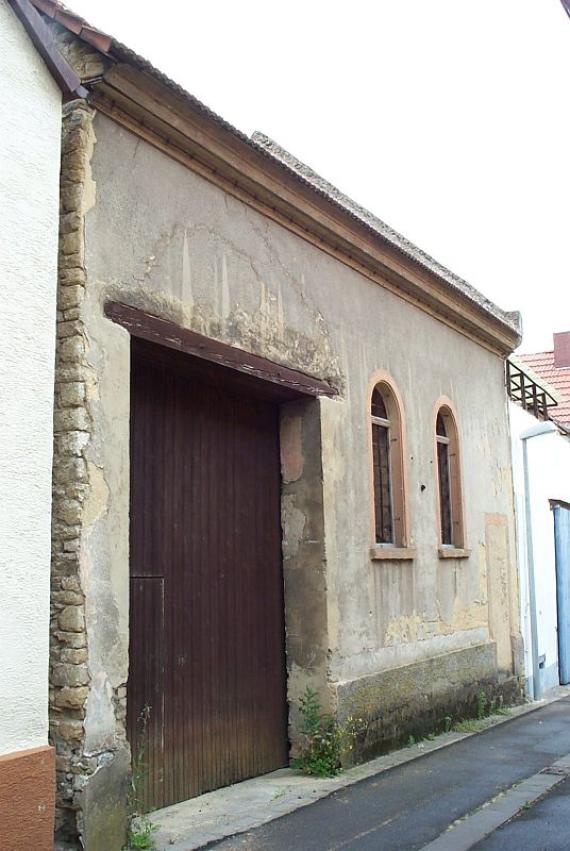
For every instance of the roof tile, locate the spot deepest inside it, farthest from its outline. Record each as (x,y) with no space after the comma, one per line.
(543,364)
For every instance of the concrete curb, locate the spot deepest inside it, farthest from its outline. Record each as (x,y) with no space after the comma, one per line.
(473,828)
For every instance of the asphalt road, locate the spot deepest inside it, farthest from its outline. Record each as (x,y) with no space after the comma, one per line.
(407,807)
(543,827)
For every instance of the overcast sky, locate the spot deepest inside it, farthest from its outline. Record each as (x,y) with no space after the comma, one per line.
(448,119)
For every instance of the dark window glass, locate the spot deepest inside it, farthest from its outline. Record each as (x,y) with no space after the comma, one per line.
(378,406)
(440,426)
(382,496)
(444,493)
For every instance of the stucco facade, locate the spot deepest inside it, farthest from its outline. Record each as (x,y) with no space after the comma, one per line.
(548,481)
(401,641)
(211,264)
(29,187)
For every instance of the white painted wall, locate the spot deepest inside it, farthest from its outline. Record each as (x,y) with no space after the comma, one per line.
(549,478)
(30,121)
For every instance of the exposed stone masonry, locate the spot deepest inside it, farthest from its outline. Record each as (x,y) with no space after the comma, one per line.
(69,675)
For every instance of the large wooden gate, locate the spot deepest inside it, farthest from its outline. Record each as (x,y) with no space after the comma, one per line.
(207,682)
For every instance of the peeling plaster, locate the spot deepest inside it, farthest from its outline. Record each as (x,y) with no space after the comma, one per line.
(292,458)
(293,527)
(96,502)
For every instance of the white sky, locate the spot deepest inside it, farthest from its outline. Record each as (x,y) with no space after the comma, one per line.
(448,119)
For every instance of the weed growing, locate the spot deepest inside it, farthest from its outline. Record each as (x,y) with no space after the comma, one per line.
(324,739)
(141,829)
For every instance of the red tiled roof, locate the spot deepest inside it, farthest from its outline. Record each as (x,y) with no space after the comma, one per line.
(543,364)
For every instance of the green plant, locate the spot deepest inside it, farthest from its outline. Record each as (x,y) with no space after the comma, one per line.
(141,834)
(471,725)
(447,723)
(482,705)
(324,739)
(141,829)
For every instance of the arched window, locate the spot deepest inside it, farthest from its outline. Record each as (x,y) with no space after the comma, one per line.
(387,464)
(449,480)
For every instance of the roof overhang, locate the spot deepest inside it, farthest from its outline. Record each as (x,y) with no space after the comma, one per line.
(143,100)
(42,39)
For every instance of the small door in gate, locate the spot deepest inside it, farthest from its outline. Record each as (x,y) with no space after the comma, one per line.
(562,549)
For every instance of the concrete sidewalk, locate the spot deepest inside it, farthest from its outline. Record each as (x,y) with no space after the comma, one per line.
(446,801)
(465,771)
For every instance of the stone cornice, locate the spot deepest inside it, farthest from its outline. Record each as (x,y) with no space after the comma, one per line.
(148,108)
(138,96)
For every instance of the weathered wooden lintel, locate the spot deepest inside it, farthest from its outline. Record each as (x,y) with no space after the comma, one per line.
(141,324)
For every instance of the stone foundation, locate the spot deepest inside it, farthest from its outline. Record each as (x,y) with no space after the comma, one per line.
(423,698)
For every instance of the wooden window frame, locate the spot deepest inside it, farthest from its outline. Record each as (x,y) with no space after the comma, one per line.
(457,547)
(398,549)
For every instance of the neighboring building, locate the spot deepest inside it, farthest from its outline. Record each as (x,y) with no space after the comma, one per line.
(554,368)
(32,78)
(541,471)
(282,458)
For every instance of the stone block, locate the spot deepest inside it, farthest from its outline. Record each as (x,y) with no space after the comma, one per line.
(71,243)
(71,393)
(72,619)
(72,443)
(69,510)
(68,730)
(75,640)
(70,223)
(71,313)
(71,261)
(68,598)
(68,674)
(70,698)
(71,419)
(71,197)
(70,583)
(71,276)
(68,328)
(70,469)
(70,297)
(71,348)
(74,657)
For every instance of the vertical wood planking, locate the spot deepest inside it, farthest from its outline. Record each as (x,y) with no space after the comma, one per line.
(205,521)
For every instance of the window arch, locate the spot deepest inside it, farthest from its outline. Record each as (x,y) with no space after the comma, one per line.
(449,490)
(387,466)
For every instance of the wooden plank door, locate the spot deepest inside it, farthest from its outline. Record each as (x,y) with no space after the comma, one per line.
(207,682)
(562,550)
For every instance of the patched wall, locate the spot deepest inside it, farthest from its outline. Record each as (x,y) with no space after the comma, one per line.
(161,238)
(207,261)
